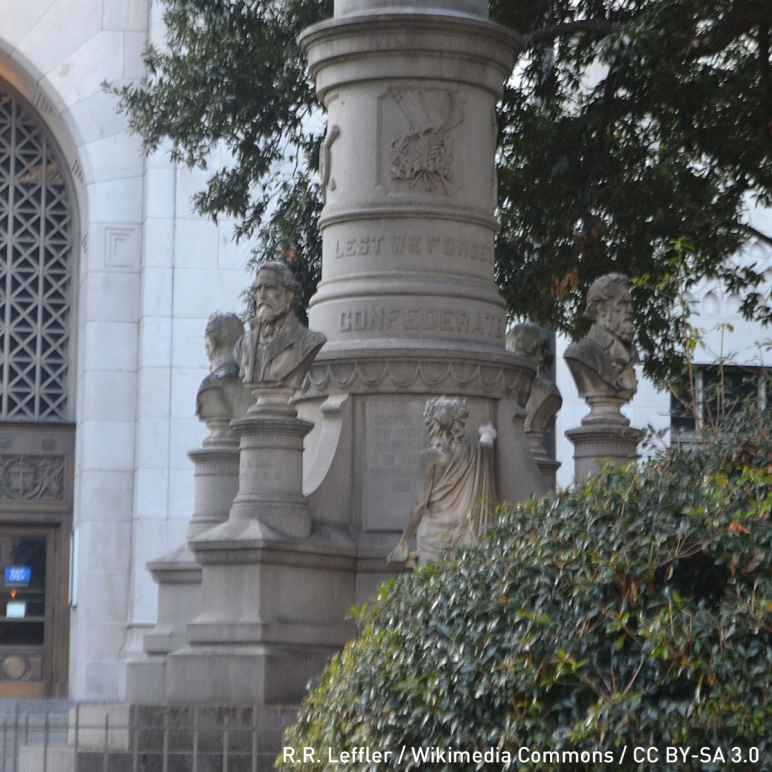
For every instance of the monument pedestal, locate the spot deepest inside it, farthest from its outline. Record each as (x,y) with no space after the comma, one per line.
(273,602)
(270,502)
(596,444)
(273,614)
(407,300)
(178,575)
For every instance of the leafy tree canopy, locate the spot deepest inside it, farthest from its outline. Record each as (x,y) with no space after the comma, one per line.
(634,136)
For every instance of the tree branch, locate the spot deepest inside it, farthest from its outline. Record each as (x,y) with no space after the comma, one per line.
(757,234)
(734,24)
(592,26)
(766,88)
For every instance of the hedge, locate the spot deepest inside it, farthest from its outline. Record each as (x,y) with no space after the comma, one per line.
(634,610)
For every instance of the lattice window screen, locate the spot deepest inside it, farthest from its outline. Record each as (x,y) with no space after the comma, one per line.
(35,270)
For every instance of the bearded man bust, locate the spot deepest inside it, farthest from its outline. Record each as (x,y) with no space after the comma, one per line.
(278,350)
(602,362)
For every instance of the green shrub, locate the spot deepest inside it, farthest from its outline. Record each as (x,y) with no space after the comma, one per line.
(632,611)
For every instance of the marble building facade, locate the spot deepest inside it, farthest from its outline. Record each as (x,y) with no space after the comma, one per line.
(145,273)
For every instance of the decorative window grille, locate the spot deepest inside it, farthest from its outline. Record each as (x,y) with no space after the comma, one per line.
(35,270)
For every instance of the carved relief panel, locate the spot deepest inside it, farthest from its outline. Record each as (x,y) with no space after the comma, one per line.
(36,468)
(418,141)
(32,478)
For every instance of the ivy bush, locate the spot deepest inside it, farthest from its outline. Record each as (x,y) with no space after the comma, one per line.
(634,610)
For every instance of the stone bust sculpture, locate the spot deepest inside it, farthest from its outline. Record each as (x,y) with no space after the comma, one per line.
(221,395)
(601,363)
(278,350)
(533,343)
(459,495)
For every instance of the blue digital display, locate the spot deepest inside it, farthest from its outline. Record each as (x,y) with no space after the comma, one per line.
(18,576)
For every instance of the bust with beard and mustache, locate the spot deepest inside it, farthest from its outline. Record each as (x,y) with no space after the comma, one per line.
(602,362)
(278,350)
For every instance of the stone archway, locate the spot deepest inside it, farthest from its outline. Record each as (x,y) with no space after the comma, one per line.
(38,225)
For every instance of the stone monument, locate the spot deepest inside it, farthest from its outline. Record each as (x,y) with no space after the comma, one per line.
(274,357)
(273,595)
(330,443)
(533,344)
(407,299)
(221,397)
(602,365)
(459,498)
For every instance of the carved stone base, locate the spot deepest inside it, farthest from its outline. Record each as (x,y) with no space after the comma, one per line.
(178,575)
(273,613)
(596,445)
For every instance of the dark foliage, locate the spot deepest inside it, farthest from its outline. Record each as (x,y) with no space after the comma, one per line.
(634,610)
(633,138)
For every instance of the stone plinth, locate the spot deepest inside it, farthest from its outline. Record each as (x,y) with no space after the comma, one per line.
(273,613)
(178,575)
(273,601)
(596,444)
(270,477)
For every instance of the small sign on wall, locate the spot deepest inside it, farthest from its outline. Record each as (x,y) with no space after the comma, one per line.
(18,576)
(16,609)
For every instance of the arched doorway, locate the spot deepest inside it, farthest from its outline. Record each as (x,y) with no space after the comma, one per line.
(37,223)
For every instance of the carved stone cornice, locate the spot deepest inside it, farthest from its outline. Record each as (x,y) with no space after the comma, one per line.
(425,373)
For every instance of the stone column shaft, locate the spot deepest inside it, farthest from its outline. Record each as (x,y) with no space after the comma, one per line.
(410,182)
